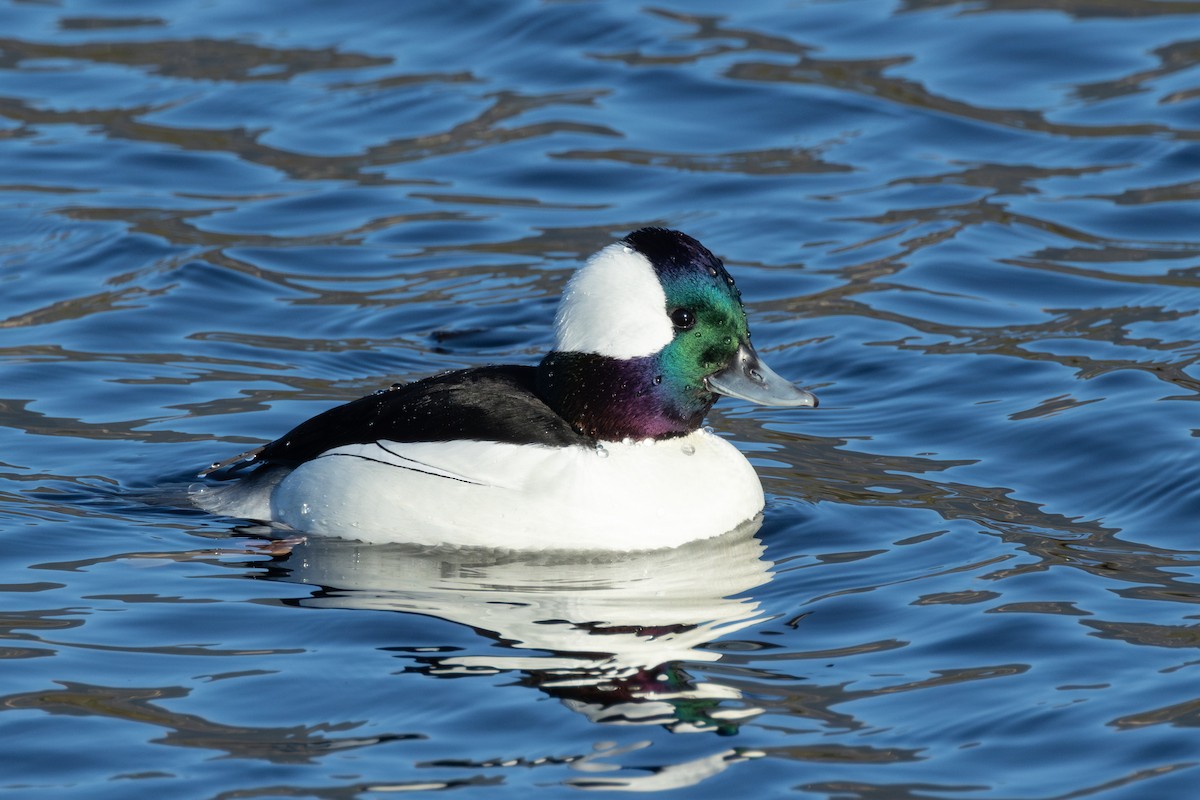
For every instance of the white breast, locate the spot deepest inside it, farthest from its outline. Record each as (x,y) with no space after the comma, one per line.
(620,497)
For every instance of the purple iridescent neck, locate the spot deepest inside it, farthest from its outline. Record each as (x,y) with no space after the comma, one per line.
(613,399)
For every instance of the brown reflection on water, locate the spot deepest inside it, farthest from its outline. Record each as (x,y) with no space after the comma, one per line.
(1080,9)
(1188,191)
(15,413)
(800,701)
(1173,58)
(430,284)
(833,473)
(211,60)
(297,744)
(108,23)
(1184,715)
(1002,179)
(1149,634)
(706,28)
(861,790)
(1101,325)
(775,161)
(1065,260)
(914,230)
(178,227)
(194,59)
(213,557)
(26,626)
(864,77)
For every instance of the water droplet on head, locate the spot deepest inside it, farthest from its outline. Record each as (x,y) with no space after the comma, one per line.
(657,380)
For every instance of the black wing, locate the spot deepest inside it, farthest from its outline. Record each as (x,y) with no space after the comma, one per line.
(489,404)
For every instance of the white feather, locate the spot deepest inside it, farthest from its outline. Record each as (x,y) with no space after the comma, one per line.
(614,306)
(635,496)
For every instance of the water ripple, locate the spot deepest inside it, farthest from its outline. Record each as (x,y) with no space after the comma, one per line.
(970,226)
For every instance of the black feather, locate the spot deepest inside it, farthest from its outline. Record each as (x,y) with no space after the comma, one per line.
(488,404)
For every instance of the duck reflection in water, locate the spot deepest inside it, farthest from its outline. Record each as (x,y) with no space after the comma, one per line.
(606,633)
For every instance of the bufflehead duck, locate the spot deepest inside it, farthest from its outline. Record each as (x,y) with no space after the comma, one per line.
(599,447)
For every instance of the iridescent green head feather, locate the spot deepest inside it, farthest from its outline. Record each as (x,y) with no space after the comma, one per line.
(649,332)
(705,309)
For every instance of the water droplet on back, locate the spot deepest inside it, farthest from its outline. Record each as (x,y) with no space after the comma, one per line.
(600,451)
(688,449)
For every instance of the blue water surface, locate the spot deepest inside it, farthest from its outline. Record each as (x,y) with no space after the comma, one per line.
(970,227)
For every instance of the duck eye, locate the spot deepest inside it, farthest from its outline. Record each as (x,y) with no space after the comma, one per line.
(682,318)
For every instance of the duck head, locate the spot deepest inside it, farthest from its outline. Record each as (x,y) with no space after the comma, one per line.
(649,332)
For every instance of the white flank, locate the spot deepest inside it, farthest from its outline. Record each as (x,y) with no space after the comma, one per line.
(621,497)
(614,306)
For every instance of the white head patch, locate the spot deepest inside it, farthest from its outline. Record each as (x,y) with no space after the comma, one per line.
(614,306)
